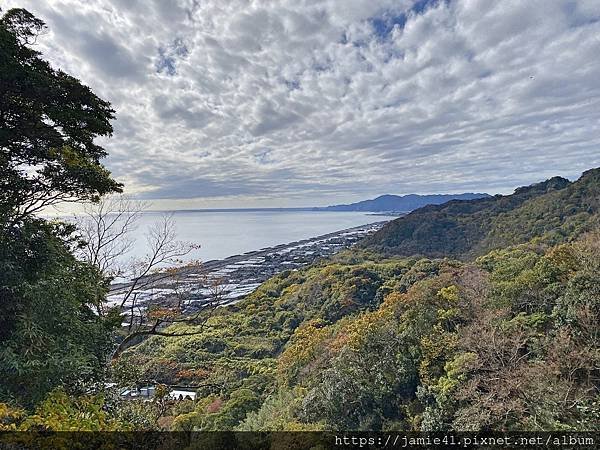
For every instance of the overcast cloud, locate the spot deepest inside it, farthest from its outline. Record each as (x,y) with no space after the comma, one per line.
(296,102)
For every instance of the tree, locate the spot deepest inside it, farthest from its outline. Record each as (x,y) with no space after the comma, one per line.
(106,229)
(59,412)
(49,123)
(49,335)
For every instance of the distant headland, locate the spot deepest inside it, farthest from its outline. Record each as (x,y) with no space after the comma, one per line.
(402,203)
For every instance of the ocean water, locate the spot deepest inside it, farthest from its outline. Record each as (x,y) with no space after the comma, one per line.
(225,233)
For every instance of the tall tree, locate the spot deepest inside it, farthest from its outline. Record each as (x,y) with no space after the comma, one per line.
(49,334)
(49,123)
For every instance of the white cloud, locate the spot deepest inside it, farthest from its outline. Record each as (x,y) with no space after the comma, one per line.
(288,102)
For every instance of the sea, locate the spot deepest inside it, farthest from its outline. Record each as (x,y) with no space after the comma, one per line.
(226,233)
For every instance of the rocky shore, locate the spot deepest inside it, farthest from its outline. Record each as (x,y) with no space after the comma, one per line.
(235,277)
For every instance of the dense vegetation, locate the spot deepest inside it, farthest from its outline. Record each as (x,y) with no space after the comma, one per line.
(49,335)
(555,211)
(509,341)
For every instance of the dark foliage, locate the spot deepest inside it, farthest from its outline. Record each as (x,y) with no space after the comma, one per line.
(49,334)
(49,122)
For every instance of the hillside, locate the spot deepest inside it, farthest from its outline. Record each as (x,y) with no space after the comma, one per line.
(556,210)
(417,345)
(402,203)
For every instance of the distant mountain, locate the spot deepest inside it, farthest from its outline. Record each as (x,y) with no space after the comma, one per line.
(555,210)
(402,203)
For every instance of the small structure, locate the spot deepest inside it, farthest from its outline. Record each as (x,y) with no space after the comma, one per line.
(178,394)
(148,392)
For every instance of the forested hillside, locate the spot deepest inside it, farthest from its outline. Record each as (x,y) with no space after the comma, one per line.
(510,341)
(555,210)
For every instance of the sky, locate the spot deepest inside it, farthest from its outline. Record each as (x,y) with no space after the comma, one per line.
(287,103)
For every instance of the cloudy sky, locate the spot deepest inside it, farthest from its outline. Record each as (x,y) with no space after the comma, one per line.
(233,103)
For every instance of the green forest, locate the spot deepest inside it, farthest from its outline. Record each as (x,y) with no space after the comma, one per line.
(471,315)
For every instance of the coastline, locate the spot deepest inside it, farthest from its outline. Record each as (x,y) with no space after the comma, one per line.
(239,275)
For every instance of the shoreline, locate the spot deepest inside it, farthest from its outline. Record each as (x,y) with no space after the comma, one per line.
(239,275)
